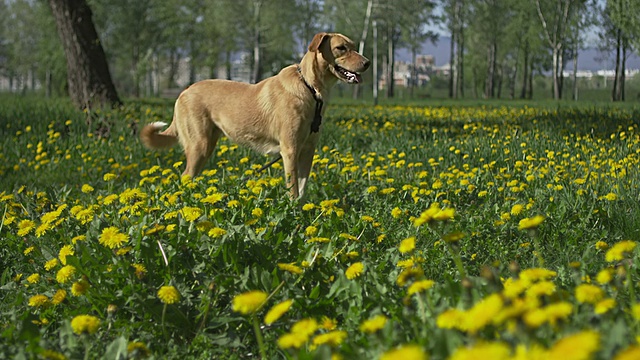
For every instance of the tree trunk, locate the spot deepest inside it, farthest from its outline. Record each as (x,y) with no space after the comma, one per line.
(414,72)
(390,55)
(556,85)
(623,70)
(88,76)
(575,72)
(257,65)
(614,91)
(525,69)
(530,84)
(227,64)
(460,49)
(489,88)
(363,40)
(452,66)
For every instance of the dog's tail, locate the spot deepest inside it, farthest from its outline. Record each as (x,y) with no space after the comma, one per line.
(152,138)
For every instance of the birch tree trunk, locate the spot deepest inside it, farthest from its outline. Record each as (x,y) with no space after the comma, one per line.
(363,39)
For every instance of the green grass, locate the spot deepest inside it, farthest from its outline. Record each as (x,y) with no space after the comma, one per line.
(460,179)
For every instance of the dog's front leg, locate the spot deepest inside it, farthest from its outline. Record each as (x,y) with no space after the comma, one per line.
(289,158)
(305,161)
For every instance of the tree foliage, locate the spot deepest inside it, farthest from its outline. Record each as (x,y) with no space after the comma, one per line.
(156,45)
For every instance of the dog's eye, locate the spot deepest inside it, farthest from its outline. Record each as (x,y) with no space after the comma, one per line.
(341,48)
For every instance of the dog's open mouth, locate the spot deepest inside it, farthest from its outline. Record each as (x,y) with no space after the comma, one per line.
(347,76)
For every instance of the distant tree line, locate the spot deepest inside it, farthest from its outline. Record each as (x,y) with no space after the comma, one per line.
(496,45)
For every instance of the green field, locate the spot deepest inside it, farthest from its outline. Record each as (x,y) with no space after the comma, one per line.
(491,230)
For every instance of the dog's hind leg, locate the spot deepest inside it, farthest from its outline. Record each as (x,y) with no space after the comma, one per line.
(199,150)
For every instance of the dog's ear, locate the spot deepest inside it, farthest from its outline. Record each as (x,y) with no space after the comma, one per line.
(318,39)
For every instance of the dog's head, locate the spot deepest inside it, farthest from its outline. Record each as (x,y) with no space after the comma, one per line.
(340,55)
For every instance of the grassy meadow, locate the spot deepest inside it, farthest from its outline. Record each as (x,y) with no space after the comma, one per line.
(456,231)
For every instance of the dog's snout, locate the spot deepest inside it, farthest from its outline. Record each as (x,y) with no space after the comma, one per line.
(365,63)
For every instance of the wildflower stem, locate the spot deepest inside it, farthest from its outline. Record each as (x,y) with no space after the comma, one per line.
(536,247)
(164,311)
(632,291)
(256,329)
(457,260)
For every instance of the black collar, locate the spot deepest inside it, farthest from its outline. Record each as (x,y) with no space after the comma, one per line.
(317,117)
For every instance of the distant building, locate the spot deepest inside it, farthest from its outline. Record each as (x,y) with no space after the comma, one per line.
(404,73)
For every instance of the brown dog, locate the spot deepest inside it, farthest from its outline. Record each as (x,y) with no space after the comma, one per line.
(274,115)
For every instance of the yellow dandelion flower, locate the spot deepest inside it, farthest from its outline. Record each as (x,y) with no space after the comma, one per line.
(405,352)
(295,341)
(213,198)
(294,269)
(137,349)
(407,245)
(530,223)
(140,270)
(65,251)
(604,276)
(79,287)
(450,319)
(257,212)
(25,227)
(318,240)
(332,338)
(109,177)
(65,274)
(581,345)
(420,286)
(75,239)
(328,323)
(408,263)
(112,238)
(308,207)
(601,245)
(373,324)
(588,293)
(396,212)
(249,302)
(28,250)
(603,306)
(516,209)
(630,353)
(168,294)
(354,270)
(85,324)
(483,350)
(367,218)
(53,355)
(482,313)
(305,327)
(408,274)
(59,296)
(620,250)
(191,214)
(277,311)
(33,278)
(551,314)
(51,264)
(38,301)
(537,274)
(635,311)
(216,232)
(311,231)
(453,237)
(542,288)
(86,188)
